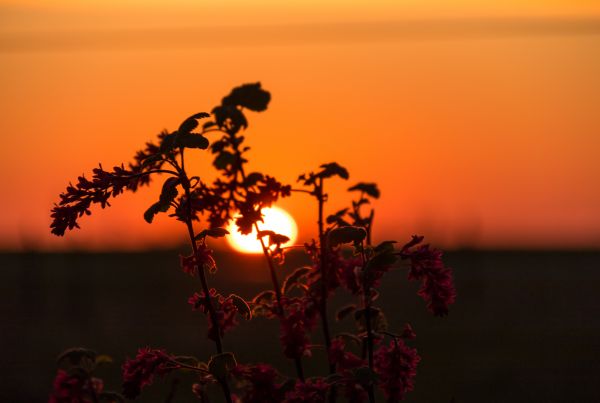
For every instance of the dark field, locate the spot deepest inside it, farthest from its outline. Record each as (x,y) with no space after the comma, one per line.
(525,328)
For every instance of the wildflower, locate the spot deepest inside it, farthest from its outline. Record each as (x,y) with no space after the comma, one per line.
(259,383)
(313,390)
(396,366)
(225,311)
(299,318)
(437,285)
(74,387)
(140,371)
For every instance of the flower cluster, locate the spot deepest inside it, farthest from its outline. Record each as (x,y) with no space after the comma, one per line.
(426,265)
(75,387)
(396,366)
(225,311)
(140,371)
(312,390)
(298,319)
(259,383)
(77,199)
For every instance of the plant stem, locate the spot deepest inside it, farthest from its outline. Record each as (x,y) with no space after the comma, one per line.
(367,304)
(324,281)
(267,254)
(185,183)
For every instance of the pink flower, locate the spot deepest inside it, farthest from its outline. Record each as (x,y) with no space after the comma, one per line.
(437,285)
(299,318)
(74,388)
(396,366)
(225,310)
(140,371)
(313,390)
(259,383)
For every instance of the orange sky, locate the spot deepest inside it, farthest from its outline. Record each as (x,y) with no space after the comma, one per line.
(480,124)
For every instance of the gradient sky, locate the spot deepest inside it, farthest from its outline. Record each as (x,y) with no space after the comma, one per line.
(480,121)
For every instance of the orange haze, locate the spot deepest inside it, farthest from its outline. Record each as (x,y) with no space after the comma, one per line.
(481,125)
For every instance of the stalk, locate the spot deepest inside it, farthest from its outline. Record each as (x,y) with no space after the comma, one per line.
(185,183)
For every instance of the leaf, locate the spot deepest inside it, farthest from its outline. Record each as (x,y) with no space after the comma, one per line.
(76,355)
(262,234)
(220,365)
(192,122)
(151,159)
(192,141)
(250,96)
(212,232)
(278,239)
(242,306)
(293,278)
(224,159)
(341,235)
(333,169)
(152,211)
(253,178)
(168,143)
(384,257)
(344,311)
(265,296)
(337,217)
(187,126)
(168,194)
(208,125)
(369,188)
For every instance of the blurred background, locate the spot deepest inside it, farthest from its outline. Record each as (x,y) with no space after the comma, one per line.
(478,119)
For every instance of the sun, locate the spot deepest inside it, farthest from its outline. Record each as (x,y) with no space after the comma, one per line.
(275,219)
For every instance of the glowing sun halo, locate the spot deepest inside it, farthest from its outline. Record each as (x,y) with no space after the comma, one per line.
(275,219)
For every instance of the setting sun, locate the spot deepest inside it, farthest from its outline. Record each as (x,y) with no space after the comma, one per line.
(274,219)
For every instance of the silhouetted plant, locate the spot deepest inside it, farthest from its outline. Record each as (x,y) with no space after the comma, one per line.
(297,302)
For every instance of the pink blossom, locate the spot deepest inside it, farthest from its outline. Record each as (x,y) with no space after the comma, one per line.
(140,371)
(437,285)
(396,366)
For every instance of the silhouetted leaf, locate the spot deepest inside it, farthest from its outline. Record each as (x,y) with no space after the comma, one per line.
(75,355)
(344,311)
(293,278)
(168,194)
(250,96)
(213,232)
(242,306)
(168,143)
(224,159)
(337,218)
(341,235)
(192,141)
(151,159)
(369,188)
(253,178)
(278,239)
(229,113)
(264,297)
(220,365)
(333,169)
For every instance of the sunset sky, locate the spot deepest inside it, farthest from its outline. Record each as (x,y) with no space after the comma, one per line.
(480,121)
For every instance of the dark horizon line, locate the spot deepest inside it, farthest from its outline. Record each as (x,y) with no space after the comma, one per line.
(296,34)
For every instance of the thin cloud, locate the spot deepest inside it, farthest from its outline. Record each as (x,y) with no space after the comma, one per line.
(296,34)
